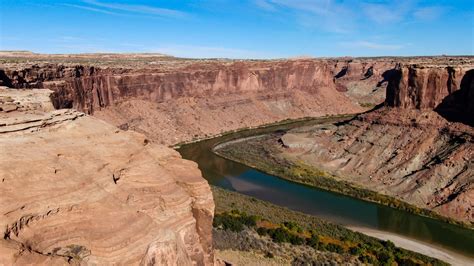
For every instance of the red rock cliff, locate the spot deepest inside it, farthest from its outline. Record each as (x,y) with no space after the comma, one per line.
(196,99)
(91,88)
(189,99)
(445,89)
(420,87)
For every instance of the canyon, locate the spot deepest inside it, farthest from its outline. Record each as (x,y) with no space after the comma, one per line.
(191,99)
(419,147)
(107,188)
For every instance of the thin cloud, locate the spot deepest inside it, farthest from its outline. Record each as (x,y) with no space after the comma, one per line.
(263,4)
(428,13)
(91,9)
(143,9)
(321,7)
(388,12)
(327,15)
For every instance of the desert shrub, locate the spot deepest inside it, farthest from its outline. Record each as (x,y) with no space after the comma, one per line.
(269,255)
(313,241)
(356,251)
(279,235)
(388,245)
(292,226)
(385,257)
(228,222)
(249,221)
(367,259)
(406,262)
(296,240)
(334,248)
(234,221)
(262,231)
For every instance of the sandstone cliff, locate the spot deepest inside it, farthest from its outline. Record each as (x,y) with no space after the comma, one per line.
(78,190)
(173,100)
(179,100)
(414,148)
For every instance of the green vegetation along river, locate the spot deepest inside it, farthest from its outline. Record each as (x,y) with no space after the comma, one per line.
(331,206)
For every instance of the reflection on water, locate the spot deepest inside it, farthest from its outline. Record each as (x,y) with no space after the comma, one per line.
(330,206)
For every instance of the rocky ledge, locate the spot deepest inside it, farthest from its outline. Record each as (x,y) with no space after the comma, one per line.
(76,189)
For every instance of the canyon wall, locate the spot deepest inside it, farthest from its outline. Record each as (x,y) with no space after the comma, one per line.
(89,88)
(421,87)
(188,100)
(446,89)
(77,190)
(419,147)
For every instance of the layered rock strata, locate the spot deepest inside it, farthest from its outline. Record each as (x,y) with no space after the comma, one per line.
(184,99)
(410,148)
(78,190)
(173,100)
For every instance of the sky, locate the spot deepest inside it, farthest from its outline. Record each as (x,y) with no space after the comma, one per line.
(240,28)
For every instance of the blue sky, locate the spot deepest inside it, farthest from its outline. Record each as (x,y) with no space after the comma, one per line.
(240,29)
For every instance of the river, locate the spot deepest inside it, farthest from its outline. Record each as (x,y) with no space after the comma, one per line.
(351,212)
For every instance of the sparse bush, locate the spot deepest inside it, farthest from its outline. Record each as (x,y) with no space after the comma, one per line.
(334,248)
(234,221)
(313,241)
(228,222)
(388,245)
(356,251)
(269,255)
(279,235)
(367,259)
(385,257)
(262,231)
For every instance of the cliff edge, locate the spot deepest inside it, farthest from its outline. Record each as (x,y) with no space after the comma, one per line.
(78,190)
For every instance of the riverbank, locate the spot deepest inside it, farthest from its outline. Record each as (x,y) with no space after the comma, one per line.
(416,246)
(263,126)
(363,246)
(333,207)
(261,153)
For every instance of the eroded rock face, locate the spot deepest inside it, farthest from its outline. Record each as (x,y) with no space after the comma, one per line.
(90,88)
(414,148)
(422,87)
(173,100)
(181,100)
(76,189)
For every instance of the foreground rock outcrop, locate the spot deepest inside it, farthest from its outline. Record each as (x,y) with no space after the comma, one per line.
(419,147)
(78,190)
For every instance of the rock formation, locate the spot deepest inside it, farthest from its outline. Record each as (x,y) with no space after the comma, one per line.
(98,194)
(407,149)
(78,190)
(187,99)
(173,100)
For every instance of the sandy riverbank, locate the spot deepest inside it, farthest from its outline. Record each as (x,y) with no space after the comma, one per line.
(423,248)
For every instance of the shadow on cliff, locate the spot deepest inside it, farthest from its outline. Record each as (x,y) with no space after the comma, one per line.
(459,105)
(5,80)
(391,76)
(341,73)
